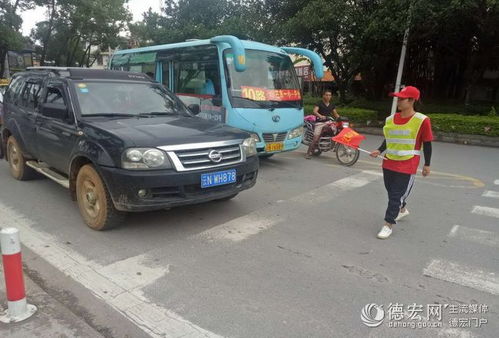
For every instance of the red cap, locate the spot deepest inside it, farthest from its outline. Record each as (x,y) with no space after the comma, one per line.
(408,92)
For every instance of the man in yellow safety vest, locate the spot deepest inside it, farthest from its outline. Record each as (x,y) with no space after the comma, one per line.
(405,134)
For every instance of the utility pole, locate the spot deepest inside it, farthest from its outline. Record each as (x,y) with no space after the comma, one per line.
(402,58)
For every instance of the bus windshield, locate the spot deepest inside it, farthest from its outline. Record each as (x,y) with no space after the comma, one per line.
(269,81)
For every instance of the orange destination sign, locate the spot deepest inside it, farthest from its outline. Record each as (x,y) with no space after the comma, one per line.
(261,94)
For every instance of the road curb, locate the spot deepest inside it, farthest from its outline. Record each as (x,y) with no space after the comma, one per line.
(474,140)
(53,318)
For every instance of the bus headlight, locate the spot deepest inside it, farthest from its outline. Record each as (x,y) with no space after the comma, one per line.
(249,147)
(145,158)
(297,132)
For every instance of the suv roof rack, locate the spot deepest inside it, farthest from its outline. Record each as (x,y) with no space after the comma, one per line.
(58,71)
(89,73)
(47,68)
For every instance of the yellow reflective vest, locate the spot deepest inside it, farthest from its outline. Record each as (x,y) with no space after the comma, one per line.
(401,138)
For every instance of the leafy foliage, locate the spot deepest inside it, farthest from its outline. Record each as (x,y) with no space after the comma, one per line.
(73,27)
(475,125)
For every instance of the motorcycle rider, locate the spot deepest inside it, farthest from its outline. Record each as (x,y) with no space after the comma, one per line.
(322,110)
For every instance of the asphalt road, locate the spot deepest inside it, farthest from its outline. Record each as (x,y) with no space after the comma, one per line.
(296,256)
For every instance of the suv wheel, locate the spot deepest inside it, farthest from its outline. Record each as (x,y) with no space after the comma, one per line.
(17,163)
(94,200)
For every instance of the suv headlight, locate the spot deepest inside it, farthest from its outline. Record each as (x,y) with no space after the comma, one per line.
(249,147)
(297,132)
(255,137)
(145,158)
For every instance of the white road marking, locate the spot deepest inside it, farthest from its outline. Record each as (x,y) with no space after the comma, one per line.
(475,235)
(453,231)
(133,273)
(454,333)
(490,193)
(463,275)
(243,227)
(110,283)
(332,190)
(496,182)
(485,211)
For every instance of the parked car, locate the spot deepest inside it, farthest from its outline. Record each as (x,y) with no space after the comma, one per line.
(120,142)
(2,92)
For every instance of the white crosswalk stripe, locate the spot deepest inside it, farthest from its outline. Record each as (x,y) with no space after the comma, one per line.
(490,193)
(260,220)
(466,275)
(486,211)
(478,236)
(463,275)
(113,283)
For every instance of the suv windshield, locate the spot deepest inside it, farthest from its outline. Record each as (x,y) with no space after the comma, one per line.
(269,81)
(126,99)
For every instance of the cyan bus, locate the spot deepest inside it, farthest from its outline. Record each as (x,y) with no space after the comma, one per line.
(245,84)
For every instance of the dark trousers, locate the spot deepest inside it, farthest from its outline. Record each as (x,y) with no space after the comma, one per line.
(398,186)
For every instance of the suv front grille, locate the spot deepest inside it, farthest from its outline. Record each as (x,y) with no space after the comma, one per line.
(274,137)
(196,156)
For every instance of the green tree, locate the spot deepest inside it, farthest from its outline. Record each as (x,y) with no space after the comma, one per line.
(187,19)
(332,29)
(10,26)
(73,27)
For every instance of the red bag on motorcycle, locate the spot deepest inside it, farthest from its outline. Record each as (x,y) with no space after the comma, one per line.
(349,137)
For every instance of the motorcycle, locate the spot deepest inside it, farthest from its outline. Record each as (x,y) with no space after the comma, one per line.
(347,156)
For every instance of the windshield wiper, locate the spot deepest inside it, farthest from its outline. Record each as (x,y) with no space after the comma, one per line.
(292,104)
(259,103)
(111,115)
(158,113)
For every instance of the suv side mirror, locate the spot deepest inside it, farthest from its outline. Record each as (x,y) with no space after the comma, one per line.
(194,108)
(54,110)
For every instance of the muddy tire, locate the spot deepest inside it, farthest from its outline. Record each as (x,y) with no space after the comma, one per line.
(94,201)
(17,163)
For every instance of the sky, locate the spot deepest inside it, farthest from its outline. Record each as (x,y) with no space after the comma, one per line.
(137,7)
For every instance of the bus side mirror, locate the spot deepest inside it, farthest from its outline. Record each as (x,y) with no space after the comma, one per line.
(194,108)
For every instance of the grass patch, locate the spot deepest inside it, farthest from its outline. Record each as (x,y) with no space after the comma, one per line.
(474,125)
(359,116)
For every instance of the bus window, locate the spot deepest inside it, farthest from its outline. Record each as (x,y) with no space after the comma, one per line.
(197,80)
(166,75)
(196,71)
(143,63)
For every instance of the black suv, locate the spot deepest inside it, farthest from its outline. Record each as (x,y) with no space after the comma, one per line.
(120,142)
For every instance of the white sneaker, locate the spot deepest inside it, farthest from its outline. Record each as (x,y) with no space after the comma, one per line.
(385,232)
(402,215)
